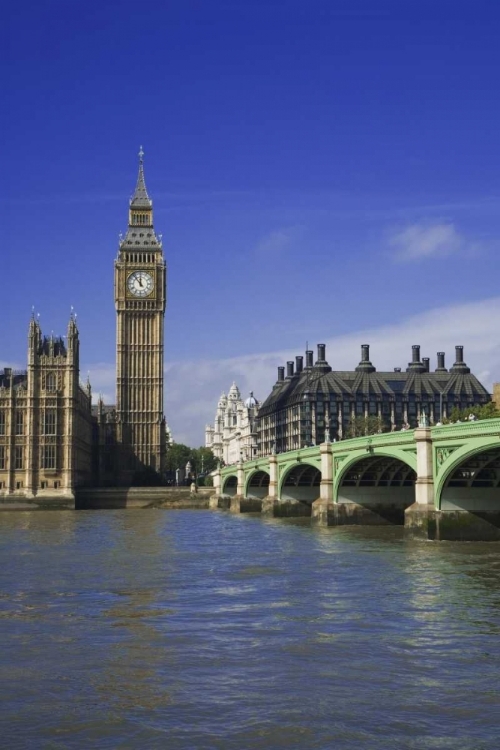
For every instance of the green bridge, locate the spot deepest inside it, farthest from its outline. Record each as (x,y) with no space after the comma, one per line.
(440,482)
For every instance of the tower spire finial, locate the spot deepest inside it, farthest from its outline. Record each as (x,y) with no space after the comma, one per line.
(140,198)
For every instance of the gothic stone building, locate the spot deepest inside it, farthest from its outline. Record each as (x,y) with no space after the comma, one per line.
(313,401)
(45,421)
(132,434)
(51,439)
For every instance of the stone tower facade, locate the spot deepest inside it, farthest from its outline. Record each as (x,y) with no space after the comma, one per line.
(46,422)
(140,299)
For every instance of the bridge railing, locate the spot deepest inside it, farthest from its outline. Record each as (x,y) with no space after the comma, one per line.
(480,427)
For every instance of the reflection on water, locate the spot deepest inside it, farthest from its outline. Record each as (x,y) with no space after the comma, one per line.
(191,630)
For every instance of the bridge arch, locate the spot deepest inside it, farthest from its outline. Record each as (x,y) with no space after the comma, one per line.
(257,484)
(300,481)
(230,485)
(381,481)
(470,478)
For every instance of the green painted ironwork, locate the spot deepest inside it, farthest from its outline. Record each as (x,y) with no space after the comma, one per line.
(451,445)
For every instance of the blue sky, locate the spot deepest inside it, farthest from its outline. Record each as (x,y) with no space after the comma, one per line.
(321,171)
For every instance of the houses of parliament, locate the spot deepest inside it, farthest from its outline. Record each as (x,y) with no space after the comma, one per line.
(52,440)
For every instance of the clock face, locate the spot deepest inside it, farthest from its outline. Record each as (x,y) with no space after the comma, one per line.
(140,283)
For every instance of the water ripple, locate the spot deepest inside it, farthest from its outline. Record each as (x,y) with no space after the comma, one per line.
(208,630)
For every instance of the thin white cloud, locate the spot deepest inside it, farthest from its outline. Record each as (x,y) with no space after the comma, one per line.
(192,388)
(275,243)
(421,241)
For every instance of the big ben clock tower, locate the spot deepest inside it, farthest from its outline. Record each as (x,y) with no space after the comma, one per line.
(140,297)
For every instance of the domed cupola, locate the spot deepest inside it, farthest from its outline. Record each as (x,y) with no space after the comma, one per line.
(222,401)
(251,402)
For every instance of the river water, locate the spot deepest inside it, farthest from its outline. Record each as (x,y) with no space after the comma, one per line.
(194,630)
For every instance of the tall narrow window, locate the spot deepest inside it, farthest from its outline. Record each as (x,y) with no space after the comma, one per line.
(49,457)
(2,457)
(49,422)
(50,382)
(2,422)
(19,423)
(18,457)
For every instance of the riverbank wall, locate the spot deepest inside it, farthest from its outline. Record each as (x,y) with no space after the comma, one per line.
(109,498)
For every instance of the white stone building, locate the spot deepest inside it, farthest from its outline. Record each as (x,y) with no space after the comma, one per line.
(234,434)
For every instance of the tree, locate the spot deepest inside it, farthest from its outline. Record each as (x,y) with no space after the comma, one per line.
(365,426)
(480,411)
(177,456)
(202,459)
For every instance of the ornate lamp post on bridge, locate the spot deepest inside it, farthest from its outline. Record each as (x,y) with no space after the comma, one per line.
(307,414)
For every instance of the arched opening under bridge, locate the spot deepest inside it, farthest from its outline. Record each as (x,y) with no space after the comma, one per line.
(258,485)
(301,483)
(230,486)
(382,484)
(474,484)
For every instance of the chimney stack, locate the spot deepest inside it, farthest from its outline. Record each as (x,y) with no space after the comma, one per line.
(459,361)
(415,365)
(365,365)
(426,363)
(309,358)
(321,352)
(299,364)
(281,374)
(289,369)
(441,366)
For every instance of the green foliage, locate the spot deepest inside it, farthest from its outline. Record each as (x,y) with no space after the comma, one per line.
(177,456)
(480,411)
(360,426)
(204,460)
(201,459)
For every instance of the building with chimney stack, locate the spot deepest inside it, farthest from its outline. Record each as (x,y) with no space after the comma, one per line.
(312,403)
